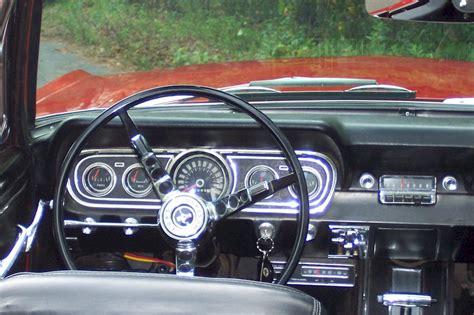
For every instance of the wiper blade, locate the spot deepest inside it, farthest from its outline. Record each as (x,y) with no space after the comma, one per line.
(460,101)
(308,81)
(379,87)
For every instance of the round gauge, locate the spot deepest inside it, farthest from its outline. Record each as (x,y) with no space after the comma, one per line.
(136,181)
(99,179)
(313,180)
(259,174)
(202,174)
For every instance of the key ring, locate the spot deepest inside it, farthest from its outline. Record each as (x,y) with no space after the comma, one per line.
(265,239)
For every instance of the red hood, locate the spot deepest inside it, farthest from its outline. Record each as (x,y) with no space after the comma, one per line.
(431,78)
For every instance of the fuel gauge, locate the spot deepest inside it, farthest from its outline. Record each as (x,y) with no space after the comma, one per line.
(99,179)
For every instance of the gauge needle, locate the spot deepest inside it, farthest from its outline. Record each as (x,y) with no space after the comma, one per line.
(134,176)
(96,174)
(189,188)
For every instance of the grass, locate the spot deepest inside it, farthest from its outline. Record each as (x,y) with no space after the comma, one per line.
(142,37)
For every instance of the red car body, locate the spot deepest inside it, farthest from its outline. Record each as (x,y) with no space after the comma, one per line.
(431,78)
(394,7)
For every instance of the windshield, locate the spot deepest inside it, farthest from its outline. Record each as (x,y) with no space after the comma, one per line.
(93,53)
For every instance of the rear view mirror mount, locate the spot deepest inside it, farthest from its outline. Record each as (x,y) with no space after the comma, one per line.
(448,11)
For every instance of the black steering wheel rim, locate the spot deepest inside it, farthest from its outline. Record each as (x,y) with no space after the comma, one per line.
(195,91)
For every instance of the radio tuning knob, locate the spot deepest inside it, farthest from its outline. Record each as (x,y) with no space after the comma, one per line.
(450,183)
(367,181)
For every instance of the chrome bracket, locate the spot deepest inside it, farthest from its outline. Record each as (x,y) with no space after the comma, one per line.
(185,258)
(25,239)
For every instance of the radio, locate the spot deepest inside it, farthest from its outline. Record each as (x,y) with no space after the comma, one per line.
(408,190)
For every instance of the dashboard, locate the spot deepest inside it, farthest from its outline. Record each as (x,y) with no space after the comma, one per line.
(111,179)
(383,186)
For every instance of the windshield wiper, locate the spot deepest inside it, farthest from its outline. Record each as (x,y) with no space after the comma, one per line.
(460,101)
(379,87)
(308,81)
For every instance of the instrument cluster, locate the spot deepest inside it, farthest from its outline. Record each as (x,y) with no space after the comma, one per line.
(109,179)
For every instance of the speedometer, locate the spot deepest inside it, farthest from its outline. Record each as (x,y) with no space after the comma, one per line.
(203,174)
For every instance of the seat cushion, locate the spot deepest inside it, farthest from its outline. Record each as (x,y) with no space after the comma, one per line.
(123,292)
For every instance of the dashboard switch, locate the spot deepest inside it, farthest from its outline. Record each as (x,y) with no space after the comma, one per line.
(398,198)
(130,230)
(311,232)
(417,199)
(266,230)
(450,183)
(88,229)
(408,198)
(367,181)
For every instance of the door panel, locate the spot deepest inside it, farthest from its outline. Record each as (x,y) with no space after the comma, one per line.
(15,196)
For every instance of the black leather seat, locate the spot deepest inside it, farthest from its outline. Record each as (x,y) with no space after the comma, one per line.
(116,292)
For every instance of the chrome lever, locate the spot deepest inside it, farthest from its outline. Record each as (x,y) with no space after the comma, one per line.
(7,263)
(24,240)
(407,300)
(31,230)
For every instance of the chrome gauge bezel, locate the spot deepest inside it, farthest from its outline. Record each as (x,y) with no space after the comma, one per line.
(312,195)
(86,183)
(128,189)
(257,168)
(183,157)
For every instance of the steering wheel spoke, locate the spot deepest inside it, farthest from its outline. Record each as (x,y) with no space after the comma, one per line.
(246,197)
(161,180)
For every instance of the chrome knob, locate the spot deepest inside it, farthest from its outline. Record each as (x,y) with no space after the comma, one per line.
(367,181)
(130,230)
(450,183)
(311,232)
(266,230)
(87,230)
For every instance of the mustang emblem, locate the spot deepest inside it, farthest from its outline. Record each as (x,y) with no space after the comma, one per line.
(183,216)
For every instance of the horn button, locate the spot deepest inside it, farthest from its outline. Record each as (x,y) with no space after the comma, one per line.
(183,216)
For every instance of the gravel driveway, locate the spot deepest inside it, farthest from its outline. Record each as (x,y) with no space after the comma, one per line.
(54,61)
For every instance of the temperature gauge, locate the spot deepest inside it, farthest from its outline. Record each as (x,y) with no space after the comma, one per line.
(99,179)
(313,182)
(136,182)
(259,174)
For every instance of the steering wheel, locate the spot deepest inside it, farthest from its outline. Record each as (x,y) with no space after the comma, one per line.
(200,214)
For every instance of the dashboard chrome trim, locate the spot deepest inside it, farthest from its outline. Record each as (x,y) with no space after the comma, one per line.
(315,205)
(228,154)
(81,193)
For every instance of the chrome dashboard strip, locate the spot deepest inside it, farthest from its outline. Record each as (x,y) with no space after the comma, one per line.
(74,223)
(274,207)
